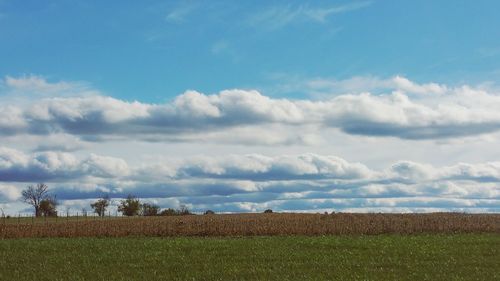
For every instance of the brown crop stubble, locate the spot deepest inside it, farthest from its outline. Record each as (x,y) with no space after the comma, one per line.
(260,224)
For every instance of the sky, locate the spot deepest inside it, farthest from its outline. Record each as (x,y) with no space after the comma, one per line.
(241,106)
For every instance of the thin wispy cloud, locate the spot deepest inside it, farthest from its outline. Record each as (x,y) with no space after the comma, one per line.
(280,16)
(180,13)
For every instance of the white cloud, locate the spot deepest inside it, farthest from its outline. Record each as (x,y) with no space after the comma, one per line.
(280,16)
(9,192)
(436,112)
(16,166)
(35,85)
(180,13)
(105,166)
(206,147)
(287,182)
(359,84)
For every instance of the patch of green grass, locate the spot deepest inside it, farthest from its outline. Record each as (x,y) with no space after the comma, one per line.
(384,257)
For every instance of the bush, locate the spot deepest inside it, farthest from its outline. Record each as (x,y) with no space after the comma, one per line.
(268,211)
(100,206)
(47,207)
(183,211)
(209,212)
(130,206)
(168,212)
(150,209)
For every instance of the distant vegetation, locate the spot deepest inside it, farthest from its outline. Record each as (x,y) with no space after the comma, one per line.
(40,199)
(45,204)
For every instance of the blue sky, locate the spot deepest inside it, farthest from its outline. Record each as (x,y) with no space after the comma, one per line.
(242,106)
(155,50)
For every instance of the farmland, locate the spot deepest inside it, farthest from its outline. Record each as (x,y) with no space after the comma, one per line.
(253,225)
(276,246)
(380,257)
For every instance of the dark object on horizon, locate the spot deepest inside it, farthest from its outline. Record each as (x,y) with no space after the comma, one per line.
(268,211)
(35,195)
(150,209)
(48,207)
(100,206)
(209,212)
(130,206)
(183,211)
(168,212)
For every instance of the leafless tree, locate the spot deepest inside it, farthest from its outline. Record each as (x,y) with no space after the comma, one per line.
(34,195)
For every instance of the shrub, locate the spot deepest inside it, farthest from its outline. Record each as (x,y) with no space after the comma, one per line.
(168,212)
(183,211)
(47,207)
(268,211)
(150,209)
(130,206)
(209,212)
(100,206)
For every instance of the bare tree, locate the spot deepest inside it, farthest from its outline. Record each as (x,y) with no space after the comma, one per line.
(34,195)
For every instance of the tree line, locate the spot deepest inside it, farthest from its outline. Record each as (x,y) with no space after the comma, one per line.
(45,204)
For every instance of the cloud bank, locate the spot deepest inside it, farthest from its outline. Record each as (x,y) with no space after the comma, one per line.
(288,182)
(412,111)
(59,132)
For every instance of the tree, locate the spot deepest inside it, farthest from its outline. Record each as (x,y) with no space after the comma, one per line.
(130,206)
(100,206)
(183,211)
(150,209)
(34,195)
(168,212)
(48,207)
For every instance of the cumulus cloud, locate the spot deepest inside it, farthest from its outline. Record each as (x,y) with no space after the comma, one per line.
(436,112)
(17,166)
(262,168)
(251,182)
(35,85)
(359,84)
(63,140)
(9,192)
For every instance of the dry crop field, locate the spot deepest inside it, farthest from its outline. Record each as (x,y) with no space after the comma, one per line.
(256,225)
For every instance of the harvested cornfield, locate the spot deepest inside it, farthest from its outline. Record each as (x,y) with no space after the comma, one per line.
(259,224)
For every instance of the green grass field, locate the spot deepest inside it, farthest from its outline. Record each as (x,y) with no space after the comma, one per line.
(382,257)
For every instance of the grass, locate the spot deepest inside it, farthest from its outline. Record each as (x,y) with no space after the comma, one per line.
(379,257)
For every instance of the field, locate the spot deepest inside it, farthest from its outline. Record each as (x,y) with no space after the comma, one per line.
(439,246)
(253,225)
(380,257)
